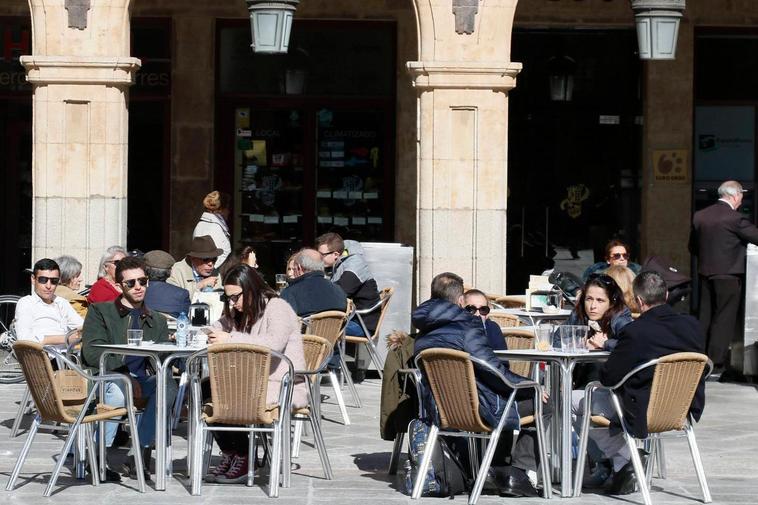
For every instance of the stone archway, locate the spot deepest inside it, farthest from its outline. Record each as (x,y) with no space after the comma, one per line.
(462,82)
(80,75)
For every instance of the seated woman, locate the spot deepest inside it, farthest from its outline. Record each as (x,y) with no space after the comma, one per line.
(254,314)
(71,282)
(616,253)
(624,277)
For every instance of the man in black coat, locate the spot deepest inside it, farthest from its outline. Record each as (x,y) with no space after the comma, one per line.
(161,296)
(444,323)
(719,239)
(310,291)
(658,332)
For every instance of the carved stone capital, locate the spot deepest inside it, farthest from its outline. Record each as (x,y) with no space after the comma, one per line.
(117,71)
(460,75)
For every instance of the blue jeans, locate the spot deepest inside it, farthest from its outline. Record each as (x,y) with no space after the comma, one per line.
(353,328)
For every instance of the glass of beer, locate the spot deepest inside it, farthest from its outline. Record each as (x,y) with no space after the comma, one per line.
(281,281)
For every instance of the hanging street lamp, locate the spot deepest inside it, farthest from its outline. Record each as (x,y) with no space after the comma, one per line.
(657,27)
(271,24)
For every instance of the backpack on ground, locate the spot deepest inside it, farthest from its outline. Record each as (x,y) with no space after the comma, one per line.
(445,476)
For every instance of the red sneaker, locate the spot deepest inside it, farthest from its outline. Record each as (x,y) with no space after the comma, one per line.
(237,472)
(222,467)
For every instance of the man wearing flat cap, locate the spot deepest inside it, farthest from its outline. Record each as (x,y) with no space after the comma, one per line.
(162,296)
(196,272)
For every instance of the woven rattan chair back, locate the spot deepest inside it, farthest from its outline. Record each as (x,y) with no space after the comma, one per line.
(316,349)
(384,295)
(239,381)
(328,325)
(39,374)
(519,339)
(675,381)
(505,320)
(511,302)
(451,378)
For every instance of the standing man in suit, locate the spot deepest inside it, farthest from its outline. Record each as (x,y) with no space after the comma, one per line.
(162,296)
(658,331)
(719,239)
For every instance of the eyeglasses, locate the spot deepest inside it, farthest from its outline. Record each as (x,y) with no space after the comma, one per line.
(231,298)
(484,310)
(327,253)
(133,282)
(618,256)
(207,260)
(44,280)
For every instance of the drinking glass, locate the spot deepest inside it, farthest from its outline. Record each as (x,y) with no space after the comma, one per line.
(281,281)
(544,334)
(580,339)
(134,337)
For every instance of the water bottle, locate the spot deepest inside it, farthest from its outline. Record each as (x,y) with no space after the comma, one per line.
(182,330)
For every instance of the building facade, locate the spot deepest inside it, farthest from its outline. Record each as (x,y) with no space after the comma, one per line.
(388,120)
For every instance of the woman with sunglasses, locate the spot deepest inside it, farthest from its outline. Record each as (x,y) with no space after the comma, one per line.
(616,253)
(254,314)
(106,289)
(477,304)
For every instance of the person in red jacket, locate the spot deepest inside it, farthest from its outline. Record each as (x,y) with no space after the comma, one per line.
(106,289)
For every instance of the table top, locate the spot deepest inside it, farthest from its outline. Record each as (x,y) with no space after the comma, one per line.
(148,346)
(561,314)
(548,355)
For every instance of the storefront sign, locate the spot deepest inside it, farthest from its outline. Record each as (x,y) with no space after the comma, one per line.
(724,143)
(670,165)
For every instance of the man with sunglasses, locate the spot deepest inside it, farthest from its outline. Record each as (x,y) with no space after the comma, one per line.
(197,271)
(42,316)
(106,323)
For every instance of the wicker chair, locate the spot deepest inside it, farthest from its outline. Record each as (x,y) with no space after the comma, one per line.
(239,376)
(505,320)
(519,339)
(35,363)
(330,325)
(675,381)
(317,352)
(450,375)
(370,340)
(511,301)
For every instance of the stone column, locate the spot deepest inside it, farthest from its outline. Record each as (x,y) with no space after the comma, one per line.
(462,82)
(80,70)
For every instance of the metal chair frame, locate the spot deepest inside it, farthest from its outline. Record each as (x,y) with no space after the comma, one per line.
(74,429)
(643,475)
(279,430)
(493,436)
(370,340)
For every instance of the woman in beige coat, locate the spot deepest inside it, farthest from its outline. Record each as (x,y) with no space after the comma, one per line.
(254,314)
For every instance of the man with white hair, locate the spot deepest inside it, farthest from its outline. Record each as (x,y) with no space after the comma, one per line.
(719,239)
(310,291)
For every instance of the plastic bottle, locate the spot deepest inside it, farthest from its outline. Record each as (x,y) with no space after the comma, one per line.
(182,330)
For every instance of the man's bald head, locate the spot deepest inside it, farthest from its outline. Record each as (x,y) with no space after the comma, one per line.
(308,260)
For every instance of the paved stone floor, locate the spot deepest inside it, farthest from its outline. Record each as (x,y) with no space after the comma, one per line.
(727,436)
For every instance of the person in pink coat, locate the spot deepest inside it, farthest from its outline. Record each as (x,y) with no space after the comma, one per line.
(254,314)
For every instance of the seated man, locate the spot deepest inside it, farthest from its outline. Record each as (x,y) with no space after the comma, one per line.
(162,296)
(659,331)
(443,322)
(42,316)
(309,291)
(350,272)
(106,323)
(196,272)
(476,303)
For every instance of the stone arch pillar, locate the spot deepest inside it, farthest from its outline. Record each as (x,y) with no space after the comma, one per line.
(462,80)
(80,70)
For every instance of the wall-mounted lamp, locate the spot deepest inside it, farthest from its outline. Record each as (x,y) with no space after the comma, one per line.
(271,24)
(657,27)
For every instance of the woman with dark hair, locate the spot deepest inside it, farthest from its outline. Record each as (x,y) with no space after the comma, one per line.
(601,306)
(254,314)
(616,254)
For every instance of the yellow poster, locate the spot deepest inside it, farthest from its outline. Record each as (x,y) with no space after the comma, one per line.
(242,118)
(670,165)
(257,153)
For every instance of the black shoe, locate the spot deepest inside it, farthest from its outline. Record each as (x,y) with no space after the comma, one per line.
(515,484)
(110,475)
(129,468)
(624,481)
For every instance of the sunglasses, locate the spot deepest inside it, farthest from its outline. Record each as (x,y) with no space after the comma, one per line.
(208,260)
(482,310)
(231,298)
(133,282)
(618,256)
(602,278)
(44,280)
